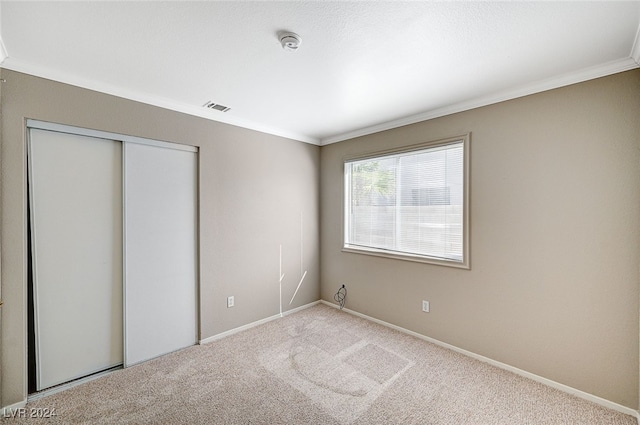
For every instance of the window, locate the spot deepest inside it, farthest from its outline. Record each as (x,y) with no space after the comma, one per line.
(410,204)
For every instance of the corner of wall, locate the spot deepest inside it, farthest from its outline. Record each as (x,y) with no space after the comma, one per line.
(3,50)
(635,50)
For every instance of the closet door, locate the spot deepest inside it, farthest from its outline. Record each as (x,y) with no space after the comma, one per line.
(75,188)
(160,249)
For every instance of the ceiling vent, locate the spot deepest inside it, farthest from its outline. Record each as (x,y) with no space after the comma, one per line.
(216,106)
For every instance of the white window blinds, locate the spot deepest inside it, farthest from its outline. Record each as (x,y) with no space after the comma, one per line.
(408,203)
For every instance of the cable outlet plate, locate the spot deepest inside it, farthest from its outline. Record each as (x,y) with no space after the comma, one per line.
(230,302)
(425,306)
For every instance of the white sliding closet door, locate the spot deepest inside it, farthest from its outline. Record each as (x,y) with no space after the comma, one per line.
(76,215)
(160,249)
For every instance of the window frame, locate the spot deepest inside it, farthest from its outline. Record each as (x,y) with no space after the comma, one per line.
(466,230)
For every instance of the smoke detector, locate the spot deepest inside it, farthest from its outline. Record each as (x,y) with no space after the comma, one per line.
(290,41)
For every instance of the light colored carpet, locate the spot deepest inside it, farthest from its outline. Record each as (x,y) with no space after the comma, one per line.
(318,366)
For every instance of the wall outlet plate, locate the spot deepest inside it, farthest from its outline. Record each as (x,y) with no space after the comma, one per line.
(425,306)
(230,302)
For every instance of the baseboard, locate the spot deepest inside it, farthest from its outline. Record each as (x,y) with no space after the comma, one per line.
(553,384)
(8,411)
(254,324)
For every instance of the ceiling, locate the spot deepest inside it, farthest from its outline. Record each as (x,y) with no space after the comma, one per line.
(362,66)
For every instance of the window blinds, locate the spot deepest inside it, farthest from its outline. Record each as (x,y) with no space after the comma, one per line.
(408,203)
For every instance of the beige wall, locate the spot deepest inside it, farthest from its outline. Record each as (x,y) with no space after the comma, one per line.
(555,238)
(253,189)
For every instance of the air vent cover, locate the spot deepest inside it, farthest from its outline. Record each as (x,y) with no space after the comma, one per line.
(216,106)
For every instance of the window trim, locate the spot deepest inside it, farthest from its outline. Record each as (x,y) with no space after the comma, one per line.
(466,231)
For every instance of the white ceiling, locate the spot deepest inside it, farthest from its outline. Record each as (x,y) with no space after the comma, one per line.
(362,66)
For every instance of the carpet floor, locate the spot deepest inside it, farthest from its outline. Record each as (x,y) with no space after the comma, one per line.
(317,366)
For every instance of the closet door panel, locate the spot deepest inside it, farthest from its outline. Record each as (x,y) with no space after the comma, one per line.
(160,250)
(76,215)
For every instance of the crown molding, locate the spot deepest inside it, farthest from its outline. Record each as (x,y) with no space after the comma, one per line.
(63,77)
(602,70)
(586,74)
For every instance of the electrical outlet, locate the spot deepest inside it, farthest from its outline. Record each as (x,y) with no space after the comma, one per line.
(230,302)
(425,306)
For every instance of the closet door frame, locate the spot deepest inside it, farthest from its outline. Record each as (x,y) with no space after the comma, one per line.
(61,128)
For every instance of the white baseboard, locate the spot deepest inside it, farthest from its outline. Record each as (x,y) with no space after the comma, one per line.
(254,324)
(553,384)
(8,410)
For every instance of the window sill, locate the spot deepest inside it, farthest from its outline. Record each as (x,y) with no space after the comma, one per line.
(406,257)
